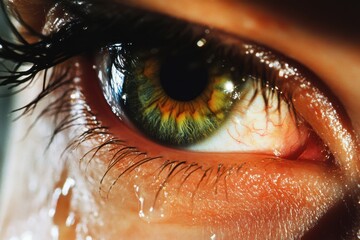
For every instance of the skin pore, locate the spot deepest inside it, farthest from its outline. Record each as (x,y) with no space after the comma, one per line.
(254,205)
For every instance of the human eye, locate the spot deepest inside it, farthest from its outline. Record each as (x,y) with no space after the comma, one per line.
(249,144)
(204,95)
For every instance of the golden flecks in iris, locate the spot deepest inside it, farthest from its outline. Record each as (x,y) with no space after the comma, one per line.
(151,68)
(215,102)
(179,122)
(197,116)
(220,116)
(220,95)
(181,119)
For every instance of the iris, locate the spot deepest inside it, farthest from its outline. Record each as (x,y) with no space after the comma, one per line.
(176,97)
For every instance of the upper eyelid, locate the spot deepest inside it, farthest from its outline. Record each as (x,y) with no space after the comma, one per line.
(49,51)
(45,48)
(58,46)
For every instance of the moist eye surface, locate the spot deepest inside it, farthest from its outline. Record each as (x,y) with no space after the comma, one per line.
(224,97)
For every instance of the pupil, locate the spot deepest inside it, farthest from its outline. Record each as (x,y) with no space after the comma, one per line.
(184,77)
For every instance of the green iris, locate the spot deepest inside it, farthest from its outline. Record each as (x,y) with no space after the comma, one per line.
(178,99)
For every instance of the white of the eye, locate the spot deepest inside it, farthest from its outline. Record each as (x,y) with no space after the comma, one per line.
(251,129)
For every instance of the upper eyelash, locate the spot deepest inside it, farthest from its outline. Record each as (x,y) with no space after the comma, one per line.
(56,48)
(73,39)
